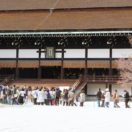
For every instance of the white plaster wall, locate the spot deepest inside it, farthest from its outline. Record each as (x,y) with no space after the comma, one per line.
(117,87)
(74,53)
(70,53)
(121,89)
(80,53)
(93,88)
(98,53)
(122,53)
(7,53)
(58,55)
(42,55)
(28,53)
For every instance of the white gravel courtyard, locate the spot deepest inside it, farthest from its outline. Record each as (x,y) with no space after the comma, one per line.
(29,118)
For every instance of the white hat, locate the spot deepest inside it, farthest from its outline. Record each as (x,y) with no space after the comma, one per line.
(107,90)
(102,92)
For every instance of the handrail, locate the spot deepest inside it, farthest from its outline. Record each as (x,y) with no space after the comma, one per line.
(79,88)
(104,78)
(7,79)
(73,87)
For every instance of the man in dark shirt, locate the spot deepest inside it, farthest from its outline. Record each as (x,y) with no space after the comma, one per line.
(127,98)
(99,95)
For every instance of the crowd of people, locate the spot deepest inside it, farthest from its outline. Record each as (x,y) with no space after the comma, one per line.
(104,98)
(40,96)
(13,95)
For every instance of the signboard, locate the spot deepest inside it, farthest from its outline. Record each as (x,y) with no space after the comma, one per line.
(50,52)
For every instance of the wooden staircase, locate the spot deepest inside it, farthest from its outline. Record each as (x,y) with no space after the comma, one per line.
(80,85)
(6,79)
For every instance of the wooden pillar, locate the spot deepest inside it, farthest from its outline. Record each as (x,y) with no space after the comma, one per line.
(62,63)
(17,60)
(110,67)
(86,65)
(39,65)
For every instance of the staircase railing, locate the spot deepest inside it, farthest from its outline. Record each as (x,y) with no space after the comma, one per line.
(103,78)
(81,86)
(82,83)
(77,82)
(6,79)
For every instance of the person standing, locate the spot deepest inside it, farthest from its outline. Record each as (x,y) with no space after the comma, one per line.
(40,96)
(58,95)
(9,95)
(127,98)
(116,99)
(71,98)
(82,98)
(29,96)
(45,96)
(34,96)
(65,97)
(53,96)
(103,99)
(107,98)
(21,96)
(15,96)
(99,95)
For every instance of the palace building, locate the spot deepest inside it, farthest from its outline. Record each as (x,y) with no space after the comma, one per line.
(59,40)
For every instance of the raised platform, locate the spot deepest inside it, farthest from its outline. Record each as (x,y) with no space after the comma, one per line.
(44,82)
(62,82)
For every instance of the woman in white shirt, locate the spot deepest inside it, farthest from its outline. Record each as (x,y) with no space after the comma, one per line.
(40,96)
(107,98)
